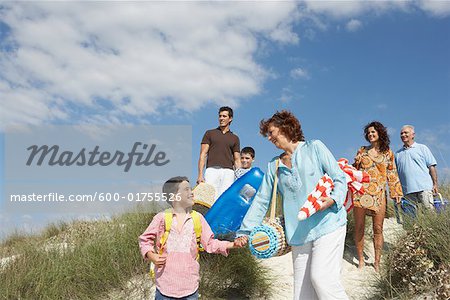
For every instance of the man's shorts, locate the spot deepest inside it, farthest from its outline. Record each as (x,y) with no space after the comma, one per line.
(424,197)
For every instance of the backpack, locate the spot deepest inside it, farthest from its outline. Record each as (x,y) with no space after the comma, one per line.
(168,218)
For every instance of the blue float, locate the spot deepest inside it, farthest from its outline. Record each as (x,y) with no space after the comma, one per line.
(227,213)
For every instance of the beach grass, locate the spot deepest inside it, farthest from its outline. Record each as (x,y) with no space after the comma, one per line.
(419,263)
(239,276)
(93,259)
(88,260)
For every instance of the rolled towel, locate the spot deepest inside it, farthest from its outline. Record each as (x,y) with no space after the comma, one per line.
(355,179)
(313,203)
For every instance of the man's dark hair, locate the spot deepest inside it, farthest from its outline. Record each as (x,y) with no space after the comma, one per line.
(228,109)
(171,185)
(248,150)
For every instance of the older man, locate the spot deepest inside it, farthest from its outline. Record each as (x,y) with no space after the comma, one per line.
(416,168)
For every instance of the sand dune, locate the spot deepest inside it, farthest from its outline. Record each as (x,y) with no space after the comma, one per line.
(358,283)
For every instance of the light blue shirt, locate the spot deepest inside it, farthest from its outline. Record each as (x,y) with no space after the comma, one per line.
(412,167)
(310,161)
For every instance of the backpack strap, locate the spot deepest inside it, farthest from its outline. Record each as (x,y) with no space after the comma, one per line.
(168,217)
(198,231)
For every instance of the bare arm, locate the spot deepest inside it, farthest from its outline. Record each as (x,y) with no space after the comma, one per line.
(433,174)
(237,160)
(201,162)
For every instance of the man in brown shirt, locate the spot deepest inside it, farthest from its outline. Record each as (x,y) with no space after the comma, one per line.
(220,151)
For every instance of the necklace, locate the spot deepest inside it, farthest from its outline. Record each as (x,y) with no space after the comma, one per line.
(375,155)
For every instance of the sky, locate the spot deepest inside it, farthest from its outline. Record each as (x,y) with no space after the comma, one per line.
(336,65)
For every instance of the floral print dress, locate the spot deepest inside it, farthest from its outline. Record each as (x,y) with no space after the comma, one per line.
(381,169)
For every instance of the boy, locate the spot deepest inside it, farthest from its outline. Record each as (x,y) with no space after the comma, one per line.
(247,158)
(176,266)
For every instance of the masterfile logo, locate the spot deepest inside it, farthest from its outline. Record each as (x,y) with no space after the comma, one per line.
(95,157)
(85,165)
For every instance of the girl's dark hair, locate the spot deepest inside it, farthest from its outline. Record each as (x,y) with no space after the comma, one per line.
(286,122)
(382,135)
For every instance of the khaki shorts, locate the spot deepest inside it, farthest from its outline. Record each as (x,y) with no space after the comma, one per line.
(424,197)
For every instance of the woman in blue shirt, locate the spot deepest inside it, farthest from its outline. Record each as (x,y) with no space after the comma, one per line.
(317,242)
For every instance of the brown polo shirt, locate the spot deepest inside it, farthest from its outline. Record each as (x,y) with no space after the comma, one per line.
(221,148)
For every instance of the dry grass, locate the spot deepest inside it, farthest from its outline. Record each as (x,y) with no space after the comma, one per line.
(87,260)
(419,263)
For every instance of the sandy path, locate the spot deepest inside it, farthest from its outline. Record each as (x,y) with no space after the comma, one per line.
(358,283)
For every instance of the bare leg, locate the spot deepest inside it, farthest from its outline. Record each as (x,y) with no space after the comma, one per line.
(359,215)
(378,240)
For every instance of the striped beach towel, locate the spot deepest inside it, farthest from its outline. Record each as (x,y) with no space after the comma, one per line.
(355,179)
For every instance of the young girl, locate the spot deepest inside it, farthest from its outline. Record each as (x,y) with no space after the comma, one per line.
(176,260)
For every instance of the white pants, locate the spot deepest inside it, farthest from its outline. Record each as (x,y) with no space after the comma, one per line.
(317,267)
(219,178)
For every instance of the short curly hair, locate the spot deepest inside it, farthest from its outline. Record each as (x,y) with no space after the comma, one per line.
(288,124)
(383,135)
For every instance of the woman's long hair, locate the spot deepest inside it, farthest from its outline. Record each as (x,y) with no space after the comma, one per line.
(383,136)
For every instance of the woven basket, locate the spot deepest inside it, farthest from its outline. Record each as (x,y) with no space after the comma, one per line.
(268,239)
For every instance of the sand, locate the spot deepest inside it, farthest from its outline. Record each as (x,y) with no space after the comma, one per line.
(358,283)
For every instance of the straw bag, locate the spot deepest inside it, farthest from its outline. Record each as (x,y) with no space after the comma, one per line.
(204,194)
(269,239)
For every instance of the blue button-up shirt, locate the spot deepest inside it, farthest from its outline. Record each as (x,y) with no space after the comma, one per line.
(310,161)
(413,168)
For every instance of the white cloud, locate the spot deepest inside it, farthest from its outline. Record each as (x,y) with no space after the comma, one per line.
(437,140)
(110,62)
(342,10)
(300,73)
(310,34)
(286,95)
(133,57)
(353,25)
(435,137)
(436,8)
(345,9)
(334,8)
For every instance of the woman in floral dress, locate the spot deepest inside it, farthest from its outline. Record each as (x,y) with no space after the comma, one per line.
(376,159)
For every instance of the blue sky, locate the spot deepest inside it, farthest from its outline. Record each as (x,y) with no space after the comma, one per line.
(336,65)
